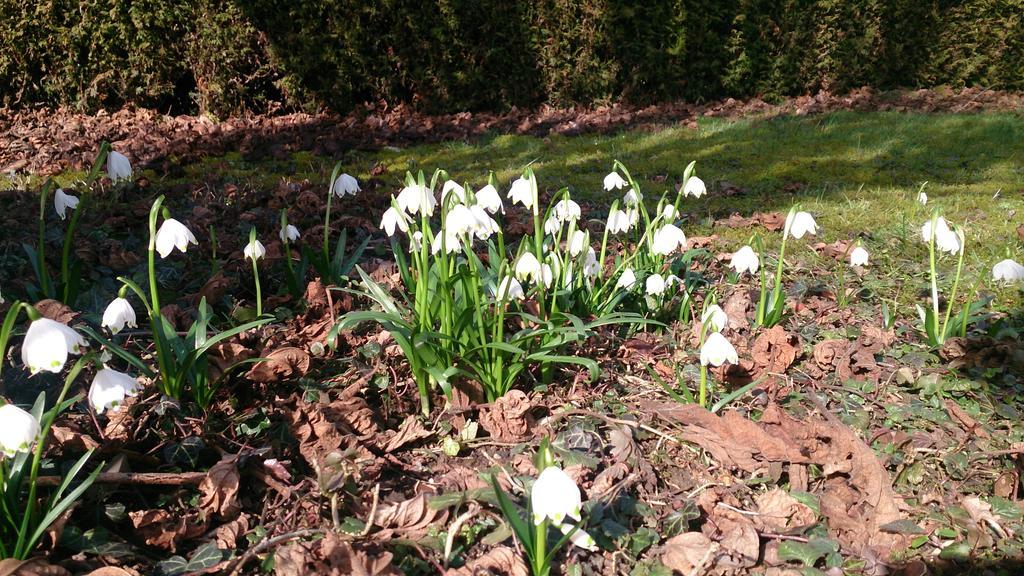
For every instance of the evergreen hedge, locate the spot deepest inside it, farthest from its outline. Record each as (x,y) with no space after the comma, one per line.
(223,56)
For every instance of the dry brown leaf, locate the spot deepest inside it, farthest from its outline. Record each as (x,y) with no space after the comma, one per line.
(774,350)
(224,355)
(499,561)
(410,431)
(213,290)
(55,311)
(778,511)
(410,518)
(283,363)
(737,537)
(736,306)
(984,520)
(226,536)
(508,418)
(112,571)
(689,553)
(606,479)
(219,490)
(31,567)
(330,556)
(162,529)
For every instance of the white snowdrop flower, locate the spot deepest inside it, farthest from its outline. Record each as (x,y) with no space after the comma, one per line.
(109,389)
(667,240)
(715,318)
(695,187)
(567,211)
(634,216)
(489,198)
(800,223)
(546,276)
(745,260)
(655,284)
(415,241)
(618,221)
(614,182)
(510,289)
(672,279)
(62,201)
(459,221)
(1008,271)
(632,197)
(717,351)
(922,198)
(289,233)
(416,199)
(47,345)
(346,184)
(451,186)
(859,257)
(254,250)
(552,225)
(483,225)
(946,238)
(627,279)
(118,166)
(118,314)
(18,430)
(392,219)
(669,212)
(173,234)
(527,266)
(579,538)
(591,266)
(521,193)
(555,497)
(578,242)
(452,243)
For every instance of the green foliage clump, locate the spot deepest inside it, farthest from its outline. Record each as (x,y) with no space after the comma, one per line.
(223,56)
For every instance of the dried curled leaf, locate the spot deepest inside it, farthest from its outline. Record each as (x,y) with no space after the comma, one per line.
(219,490)
(500,561)
(281,364)
(507,419)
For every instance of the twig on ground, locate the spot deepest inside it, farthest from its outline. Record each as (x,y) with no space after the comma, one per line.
(138,478)
(373,512)
(453,532)
(270,543)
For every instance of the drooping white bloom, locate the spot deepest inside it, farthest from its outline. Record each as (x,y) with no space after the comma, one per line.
(62,201)
(289,233)
(715,318)
(627,280)
(800,223)
(394,218)
(415,199)
(618,221)
(346,184)
(452,242)
(946,238)
(489,198)
(47,345)
(109,389)
(546,275)
(173,234)
(254,250)
(567,211)
(521,193)
(717,351)
(669,212)
(118,314)
(18,430)
(655,284)
(510,289)
(695,187)
(668,239)
(614,182)
(555,496)
(578,242)
(459,220)
(745,260)
(1008,271)
(483,225)
(118,166)
(922,198)
(859,257)
(552,225)
(590,264)
(632,197)
(451,186)
(527,266)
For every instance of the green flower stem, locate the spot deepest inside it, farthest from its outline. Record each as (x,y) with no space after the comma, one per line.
(259,291)
(956,285)
(65,258)
(44,278)
(20,550)
(933,329)
(155,320)
(703,385)
(540,550)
